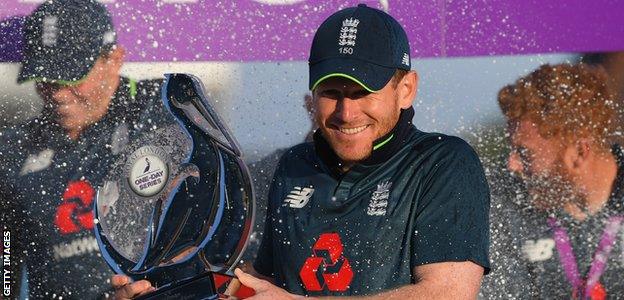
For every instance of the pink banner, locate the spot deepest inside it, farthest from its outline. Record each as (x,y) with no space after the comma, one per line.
(278,30)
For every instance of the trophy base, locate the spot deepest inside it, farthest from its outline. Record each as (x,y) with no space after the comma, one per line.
(199,287)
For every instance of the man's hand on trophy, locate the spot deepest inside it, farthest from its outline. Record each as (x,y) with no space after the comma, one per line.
(126,289)
(264,289)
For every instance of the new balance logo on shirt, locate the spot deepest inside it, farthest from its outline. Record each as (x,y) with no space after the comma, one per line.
(37,162)
(538,250)
(298,197)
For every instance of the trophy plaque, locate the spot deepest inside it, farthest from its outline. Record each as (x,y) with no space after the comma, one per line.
(177,206)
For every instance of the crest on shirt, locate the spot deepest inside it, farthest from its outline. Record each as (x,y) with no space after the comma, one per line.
(37,162)
(298,197)
(538,250)
(379,200)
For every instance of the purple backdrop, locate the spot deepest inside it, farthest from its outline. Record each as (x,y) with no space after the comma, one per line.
(247,30)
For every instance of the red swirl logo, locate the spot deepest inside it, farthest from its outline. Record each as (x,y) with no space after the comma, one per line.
(76,211)
(327,267)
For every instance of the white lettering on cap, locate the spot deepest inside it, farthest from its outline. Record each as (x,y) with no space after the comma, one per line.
(108,38)
(348,34)
(406,59)
(50,30)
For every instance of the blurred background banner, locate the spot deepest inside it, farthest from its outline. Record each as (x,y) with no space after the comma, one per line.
(282,30)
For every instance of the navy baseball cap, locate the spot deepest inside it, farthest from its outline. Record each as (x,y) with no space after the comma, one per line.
(63,39)
(361,43)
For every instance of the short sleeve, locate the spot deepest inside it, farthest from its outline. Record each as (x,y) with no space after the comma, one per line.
(452,212)
(512,277)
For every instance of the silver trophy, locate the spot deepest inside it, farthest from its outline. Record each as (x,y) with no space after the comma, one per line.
(177,207)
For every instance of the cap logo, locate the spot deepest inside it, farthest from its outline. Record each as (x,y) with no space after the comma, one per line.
(406,59)
(50,30)
(348,34)
(108,38)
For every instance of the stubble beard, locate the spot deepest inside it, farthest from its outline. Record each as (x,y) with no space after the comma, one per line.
(386,124)
(551,191)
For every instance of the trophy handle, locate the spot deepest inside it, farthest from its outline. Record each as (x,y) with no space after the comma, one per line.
(191,106)
(194,288)
(218,285)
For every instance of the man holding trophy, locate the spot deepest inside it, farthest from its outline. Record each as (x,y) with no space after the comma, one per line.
(373,206)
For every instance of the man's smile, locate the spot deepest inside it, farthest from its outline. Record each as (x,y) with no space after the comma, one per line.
(352,130)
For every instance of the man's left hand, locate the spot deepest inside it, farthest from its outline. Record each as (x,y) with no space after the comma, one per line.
(264,289)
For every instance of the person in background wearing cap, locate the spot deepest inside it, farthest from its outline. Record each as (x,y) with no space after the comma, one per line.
(566,241)
(372,206)
(51,166)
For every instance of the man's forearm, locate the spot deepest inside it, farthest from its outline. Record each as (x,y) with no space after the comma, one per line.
(444,280)
(421,290)
(445,287)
